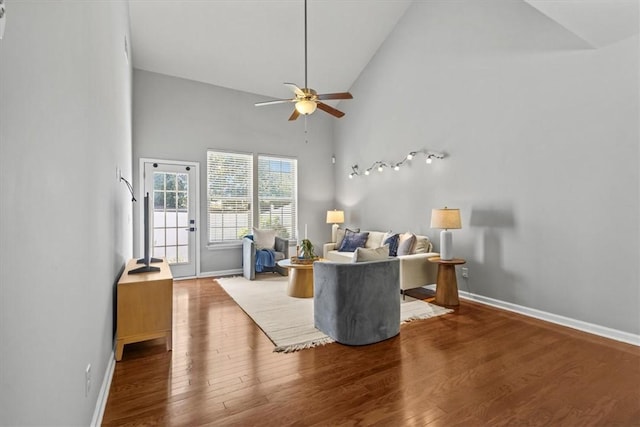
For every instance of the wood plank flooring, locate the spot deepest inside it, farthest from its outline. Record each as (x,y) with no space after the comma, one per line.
(478,366)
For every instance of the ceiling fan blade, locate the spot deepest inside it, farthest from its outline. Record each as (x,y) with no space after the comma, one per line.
(329,109)
(295,89)
(294,115)
(341,95)
(275,101)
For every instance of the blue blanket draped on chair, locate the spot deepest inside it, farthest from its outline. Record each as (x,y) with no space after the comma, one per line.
(265,258)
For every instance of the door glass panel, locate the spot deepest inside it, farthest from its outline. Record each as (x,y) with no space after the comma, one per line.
(158,237)
(183,181)
(158,181)
(172,252)
(158,252)
(158,218)
(172,238)
(171,216)
(183,253)
(183,219)
(158,200)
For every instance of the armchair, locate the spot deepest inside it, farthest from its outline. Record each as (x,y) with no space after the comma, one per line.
(281,249)
(357,303)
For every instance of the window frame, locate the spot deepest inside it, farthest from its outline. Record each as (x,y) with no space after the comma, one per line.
(250,199)
(293,233)
(254,210)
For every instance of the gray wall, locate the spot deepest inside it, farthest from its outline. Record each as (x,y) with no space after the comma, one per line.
(178,119)
(65,108)
(542,138)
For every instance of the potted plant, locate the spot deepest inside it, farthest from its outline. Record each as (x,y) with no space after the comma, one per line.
(304,253)
(306,250)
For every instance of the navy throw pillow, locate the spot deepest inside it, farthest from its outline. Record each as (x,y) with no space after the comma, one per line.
(352,241)
(392,241)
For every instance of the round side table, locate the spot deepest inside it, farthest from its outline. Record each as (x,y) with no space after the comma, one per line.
(446,284)
(300,279)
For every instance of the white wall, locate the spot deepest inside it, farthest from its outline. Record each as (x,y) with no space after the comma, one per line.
(178,119)
(542,138)
(65,126)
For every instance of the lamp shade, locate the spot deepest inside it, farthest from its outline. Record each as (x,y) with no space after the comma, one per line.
(445,218)
(306,107)
(335,217)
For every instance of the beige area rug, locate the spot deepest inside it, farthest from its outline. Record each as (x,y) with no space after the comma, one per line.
(288,321)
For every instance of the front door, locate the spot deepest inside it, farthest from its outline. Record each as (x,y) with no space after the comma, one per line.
(172,187)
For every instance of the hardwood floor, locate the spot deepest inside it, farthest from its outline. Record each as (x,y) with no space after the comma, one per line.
(476,367)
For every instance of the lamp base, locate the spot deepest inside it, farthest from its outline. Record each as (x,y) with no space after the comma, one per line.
(446,245)
(334,232)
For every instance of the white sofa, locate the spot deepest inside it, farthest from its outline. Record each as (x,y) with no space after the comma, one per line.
(415,270)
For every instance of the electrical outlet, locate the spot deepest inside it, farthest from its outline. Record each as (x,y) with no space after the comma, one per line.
(465,272)
(87,379)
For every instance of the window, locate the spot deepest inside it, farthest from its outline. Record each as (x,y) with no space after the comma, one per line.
(229,195)
(277,190)
(231,198)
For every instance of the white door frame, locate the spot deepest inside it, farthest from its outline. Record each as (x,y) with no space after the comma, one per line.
(196,167)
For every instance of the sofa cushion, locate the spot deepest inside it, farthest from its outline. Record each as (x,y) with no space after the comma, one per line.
(265,239)
(342,257)
(375,239)
(371,254)
(405,245)
(352,241)
(340,235)
(392,241)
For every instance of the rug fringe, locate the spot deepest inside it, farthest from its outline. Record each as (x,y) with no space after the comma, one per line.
(302,346)
(425,316)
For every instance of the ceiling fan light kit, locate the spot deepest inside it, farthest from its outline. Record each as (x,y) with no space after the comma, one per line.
(306,107)
(308,100)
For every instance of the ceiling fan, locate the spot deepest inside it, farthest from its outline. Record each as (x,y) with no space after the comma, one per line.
(306,99)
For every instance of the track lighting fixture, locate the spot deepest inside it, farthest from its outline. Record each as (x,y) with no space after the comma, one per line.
(380,165)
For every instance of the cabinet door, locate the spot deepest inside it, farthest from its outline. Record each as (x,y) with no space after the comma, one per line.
(145,307)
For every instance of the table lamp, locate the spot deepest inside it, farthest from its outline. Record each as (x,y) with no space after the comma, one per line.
(446,219)
(335,217)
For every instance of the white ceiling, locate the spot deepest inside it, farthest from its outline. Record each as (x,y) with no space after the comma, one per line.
(256,45)
(598,22)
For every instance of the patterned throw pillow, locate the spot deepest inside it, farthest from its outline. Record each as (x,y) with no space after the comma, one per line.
(352,241)
(392,241)
(405,247)
(371,254)
(340,235)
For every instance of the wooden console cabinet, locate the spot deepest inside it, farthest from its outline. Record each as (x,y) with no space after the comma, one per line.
(145,306)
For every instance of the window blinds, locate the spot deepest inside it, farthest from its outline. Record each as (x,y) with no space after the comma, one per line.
(230,195)
(277,195)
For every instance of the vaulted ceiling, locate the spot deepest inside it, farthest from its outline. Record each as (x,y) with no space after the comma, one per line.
(256,45)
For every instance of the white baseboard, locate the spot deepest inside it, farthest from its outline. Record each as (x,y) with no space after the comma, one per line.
(101,403)
(220,273)
(591,328)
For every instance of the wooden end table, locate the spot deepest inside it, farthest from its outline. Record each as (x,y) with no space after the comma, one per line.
(447,284)
(300,279)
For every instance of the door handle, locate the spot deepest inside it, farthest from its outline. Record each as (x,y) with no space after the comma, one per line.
(190,229)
